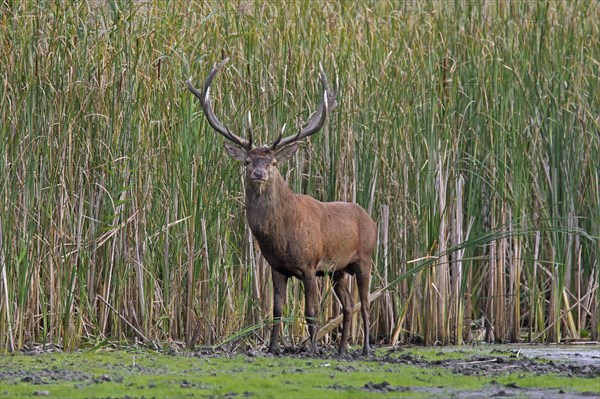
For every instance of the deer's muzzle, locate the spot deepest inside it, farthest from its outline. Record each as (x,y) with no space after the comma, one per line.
(259,176)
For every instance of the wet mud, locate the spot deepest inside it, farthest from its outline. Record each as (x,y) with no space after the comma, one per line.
(491,363)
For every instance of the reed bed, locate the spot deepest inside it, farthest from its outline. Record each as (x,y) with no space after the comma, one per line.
(470,130)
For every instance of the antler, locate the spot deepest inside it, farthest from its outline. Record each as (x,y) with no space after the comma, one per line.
(204,98)
(316,122)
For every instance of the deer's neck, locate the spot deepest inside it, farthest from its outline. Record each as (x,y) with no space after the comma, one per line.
(268,207)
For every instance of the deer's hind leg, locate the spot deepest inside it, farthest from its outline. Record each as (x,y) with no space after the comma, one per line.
(310,309)
(362,271)
(341,281)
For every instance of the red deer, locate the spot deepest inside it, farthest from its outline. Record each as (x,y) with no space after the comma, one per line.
(298,235)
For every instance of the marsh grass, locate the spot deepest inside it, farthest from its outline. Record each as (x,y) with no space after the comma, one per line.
(469,130)
(417,372)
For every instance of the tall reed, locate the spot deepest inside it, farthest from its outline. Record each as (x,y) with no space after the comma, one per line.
(469,130)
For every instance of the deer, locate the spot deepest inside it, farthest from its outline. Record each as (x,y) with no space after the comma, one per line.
(298,235)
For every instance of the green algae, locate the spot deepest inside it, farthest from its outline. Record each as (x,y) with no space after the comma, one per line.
(415,372)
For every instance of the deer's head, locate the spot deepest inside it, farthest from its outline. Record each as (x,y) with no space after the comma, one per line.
(261,162)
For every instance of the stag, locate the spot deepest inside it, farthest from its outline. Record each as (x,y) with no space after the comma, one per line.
(298,235)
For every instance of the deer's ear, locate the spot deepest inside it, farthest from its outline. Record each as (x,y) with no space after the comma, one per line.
(287,152)
(235,152)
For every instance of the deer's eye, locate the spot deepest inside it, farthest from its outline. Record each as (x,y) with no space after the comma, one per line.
(247,162)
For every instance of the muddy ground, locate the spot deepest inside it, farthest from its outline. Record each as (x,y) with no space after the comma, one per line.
(492,371)
(578,361)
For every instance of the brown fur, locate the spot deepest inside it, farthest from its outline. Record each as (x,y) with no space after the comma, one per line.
(302,237)
(298,235)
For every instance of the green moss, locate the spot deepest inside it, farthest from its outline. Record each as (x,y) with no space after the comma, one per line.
(151,374)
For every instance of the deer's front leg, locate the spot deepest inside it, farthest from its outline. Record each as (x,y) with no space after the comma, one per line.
(279,293)
(310,309)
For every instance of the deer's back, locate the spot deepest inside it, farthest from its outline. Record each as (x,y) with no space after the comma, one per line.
(337,234)
(317,235)
(349,234)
